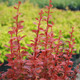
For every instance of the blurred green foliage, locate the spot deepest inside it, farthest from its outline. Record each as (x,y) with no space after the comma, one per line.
(60,4)
(12,2)
(64,20)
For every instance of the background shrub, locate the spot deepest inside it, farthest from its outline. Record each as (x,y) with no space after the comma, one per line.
(60,4)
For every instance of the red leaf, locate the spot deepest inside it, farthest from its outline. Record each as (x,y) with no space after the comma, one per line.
(49,25)
(51,5)
(42,11)
(42,79)
(11,32)
(46,11)
(41,28)
(52,22)
(48,50)
(6,46)
(21,21)
(15,17)
(32,44)
(23,48)
(38,71)
(29,45)
(14,38)
(44,19)
(20,26)
(32,40)
(35,31)
(41,34)
(14,28)
(1,64)
(36,18)
(70,62)
(15,7)
(50,1)
(29,63)
(27,67)
(43,51)
(15,42)
(19,2)
(23,36)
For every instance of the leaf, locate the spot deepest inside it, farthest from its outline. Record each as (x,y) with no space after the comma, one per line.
(36,18)
(11,32)
(46,11)
(41,29)
(6,46)
(1,64)
(41,34)
(29,45)
(44,19)
(70,62)
(32,44)
(48,50)
(38,71)
(14,38)
(27,68)
(42,79)
(14,28)
(51,5)
(35,31)
(43,51)
(52,22)
(20,27)
(19,2)
(32,40)
(29,63)
(15,17)
(23,48)
(20,38)
(42,11)
(15,42)
(15,7)
(50,1)
(50,25)
(21,21)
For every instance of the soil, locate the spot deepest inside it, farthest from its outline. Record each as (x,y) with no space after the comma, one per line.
(4,67)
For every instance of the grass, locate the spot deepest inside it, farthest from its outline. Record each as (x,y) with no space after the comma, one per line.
(63,20)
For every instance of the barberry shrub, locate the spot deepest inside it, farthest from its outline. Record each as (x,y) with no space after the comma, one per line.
(50,59)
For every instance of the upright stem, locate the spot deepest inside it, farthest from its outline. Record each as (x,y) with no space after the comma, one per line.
(35,47)
(11,45)
(47,28)
(18,50)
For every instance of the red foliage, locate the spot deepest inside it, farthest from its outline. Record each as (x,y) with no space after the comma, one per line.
(51,59)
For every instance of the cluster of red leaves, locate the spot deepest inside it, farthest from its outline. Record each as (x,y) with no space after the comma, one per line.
(51,59)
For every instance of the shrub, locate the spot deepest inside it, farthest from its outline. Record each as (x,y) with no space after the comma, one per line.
(73,6)
(60,4)
(10,2)
(50,59)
